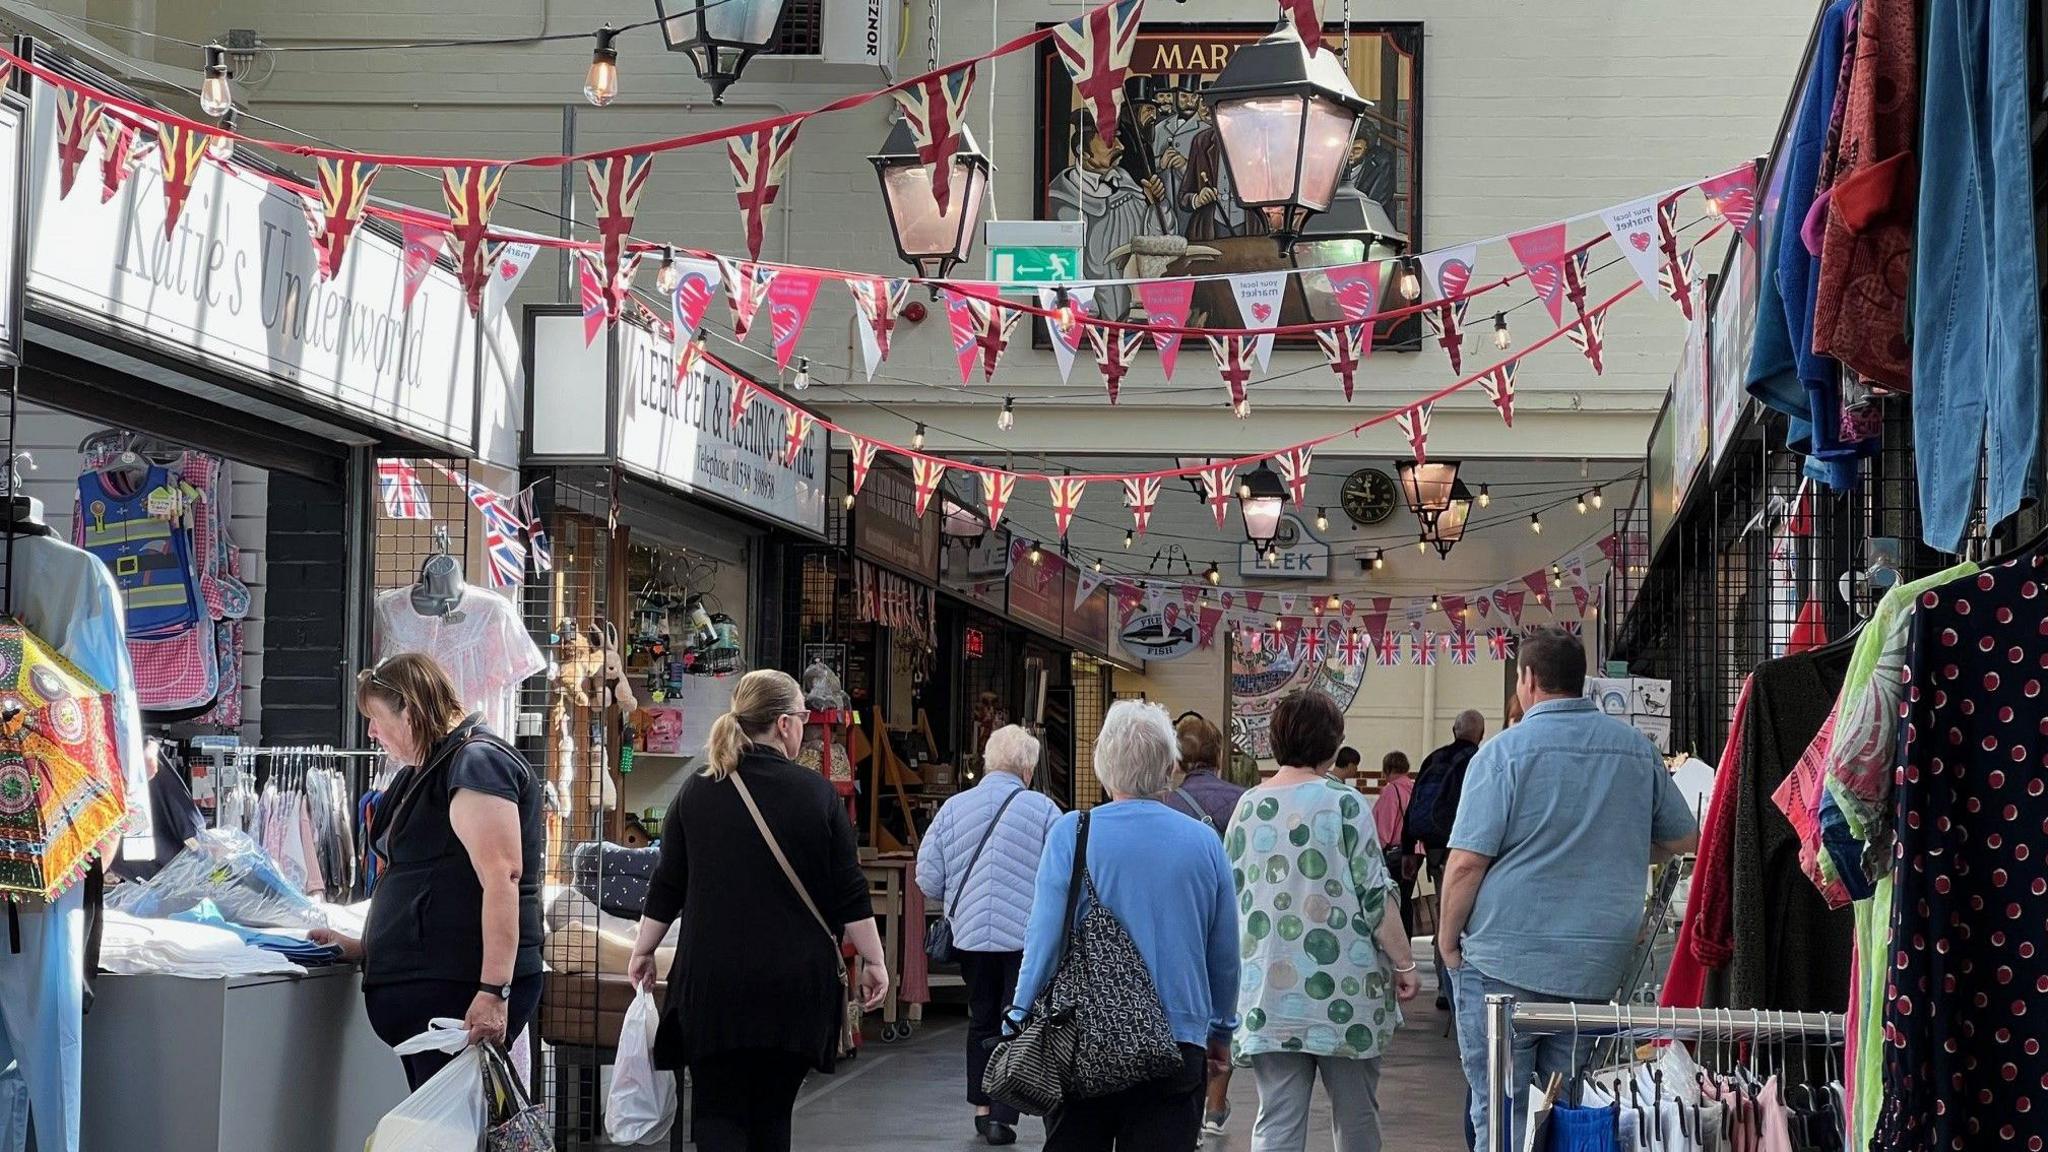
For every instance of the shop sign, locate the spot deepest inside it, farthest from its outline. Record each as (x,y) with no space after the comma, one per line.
(13,131)
(1158,636)
(974,643)
(1302,555)
(1734,339)
(1088,622)
(1038,595)
(886,526)
(234,288)
(980,574)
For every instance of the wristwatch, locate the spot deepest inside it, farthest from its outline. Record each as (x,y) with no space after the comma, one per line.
(501,991)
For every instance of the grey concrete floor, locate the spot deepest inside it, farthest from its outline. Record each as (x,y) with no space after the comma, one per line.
(910,1096)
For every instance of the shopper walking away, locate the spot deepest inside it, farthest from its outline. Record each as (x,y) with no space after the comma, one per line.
(454,928)
(1164,877)
(758,859)
(1326,956)
(1346,766)
(1544,888)
(1433,807)
(1389,816)
(1206,796)
(980,860)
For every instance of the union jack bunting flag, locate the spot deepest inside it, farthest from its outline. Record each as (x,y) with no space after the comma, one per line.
(746,285)
(615,186)
(405,498)
(1676,280)
(760,161)
(1114,350)
(879,301)
(1220,483)
(1414,425)
(1294,466)
(996,488)
(470,193)
(1499,385)
(1308,21)
(1686,270)
(1312,644)
(590,293)
(506,554)
(797,430)
(863,455)
(1352,649)
(1422,650)
(1096,49)
(1140,493)
(78,120)
(926,472)
(1464,647)
(936,109)
(344,193)
(536,534)
(742,399)
(1500,643)
(1345,347)
(1585,336)
(182,150)
(1387,649)
(963,325)
(1573,628)
(995,324)
(1234,356)
(1575,268)
(1581,597)
(1066,496)
(1450,334)
(117,155)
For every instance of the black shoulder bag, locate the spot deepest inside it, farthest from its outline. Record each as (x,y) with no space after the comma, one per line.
(938,939)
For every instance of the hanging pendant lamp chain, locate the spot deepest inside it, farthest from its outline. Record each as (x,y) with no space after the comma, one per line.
(931,36)
(1344,46)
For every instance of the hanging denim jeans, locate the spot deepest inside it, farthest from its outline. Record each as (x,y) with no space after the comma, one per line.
(1976,312)
(42,990)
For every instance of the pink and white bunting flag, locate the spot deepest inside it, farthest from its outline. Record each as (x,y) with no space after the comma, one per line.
(1732,197)
(1294,470)
(1345,347)
(963,322)
(1114,348)
(1234,363)
(863,456)
(1541,252)
(1509,601)
(1259,295)
(1206,619)
(926,472)
(1356,288)
(616,183)
(1140,494)
(1096,48)
(796,430)
(1581,597)
(1586,336)
(996,487)
(1633,228)
(1085,584)
(1414,425)
(1166,307)
(1499,386)
(1454,607)
(1219,482)
(936,109)
(1287,601)
(1066,497)
(1067,338)
(760,161)
(696,283)
(879,301)
(790,298)
(422,248)
(1538,584)
(746,285)
(509,262)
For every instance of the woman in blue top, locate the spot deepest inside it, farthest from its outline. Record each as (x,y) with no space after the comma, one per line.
(1165,878)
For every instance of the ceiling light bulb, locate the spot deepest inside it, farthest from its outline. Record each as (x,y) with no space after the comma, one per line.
(1501,339)
(1037,554)
(1485,497)
(1535,523)
(1272,554)
(1214,574)
(1098,563)
(917,437)
(1411,279)
(1334,602)
(1244,490)
(216,94)
(671,273)
(1599,501)
(1007,418)
(1582,504)
(601,83)
(1422,546)
(1322,520)
(1435,604)
(1129,536)
(802,380)
(1379,561)
(848,501)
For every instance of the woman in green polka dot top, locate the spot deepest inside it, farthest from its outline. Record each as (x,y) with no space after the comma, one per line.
(1326,959)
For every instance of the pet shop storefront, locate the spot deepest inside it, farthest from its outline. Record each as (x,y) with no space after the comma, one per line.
(666,518)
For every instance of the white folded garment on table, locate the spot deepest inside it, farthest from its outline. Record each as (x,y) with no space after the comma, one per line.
(130,946)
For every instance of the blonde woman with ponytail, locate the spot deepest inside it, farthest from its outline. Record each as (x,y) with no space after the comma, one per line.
(760,863)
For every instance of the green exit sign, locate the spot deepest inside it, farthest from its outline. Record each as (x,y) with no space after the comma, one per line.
(1024,255)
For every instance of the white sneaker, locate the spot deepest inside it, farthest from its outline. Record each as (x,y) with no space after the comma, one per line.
(1213,1122)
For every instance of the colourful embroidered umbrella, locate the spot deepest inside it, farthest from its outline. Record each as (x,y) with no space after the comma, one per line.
(61,798)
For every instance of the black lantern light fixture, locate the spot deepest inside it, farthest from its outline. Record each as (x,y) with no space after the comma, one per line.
(1427,487)
(1450,524)
(931,241)
(719,38)
(1260,497)
(1353,230)
(1285,118)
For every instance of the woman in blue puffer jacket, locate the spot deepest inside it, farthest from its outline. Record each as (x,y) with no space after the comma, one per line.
(980,860)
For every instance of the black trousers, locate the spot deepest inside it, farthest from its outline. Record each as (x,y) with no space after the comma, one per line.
(741,1102)
(399,1012)
(1162,1115)
(991,985)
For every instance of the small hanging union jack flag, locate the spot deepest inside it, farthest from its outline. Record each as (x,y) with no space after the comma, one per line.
(1464,647)
(1585,336)
(1676,280)
(926,472)
(1422,650)
(615,186)
(797,430)
(1096,49)
(746,285)
(470,193)
(1066,496)
(1352,649)
(1294,469)
(78,120)
(117,155)
(760,161)
(879,302)
(1575,268)
(1345,347)
(182,149)
(1500,643)
(996,488)
(1387,649)
(590,292)
(1573,628)
(1220,482)
(536,532)
(405,498)
(1114,350)
(742,399)
(1234,356)
(936,109)
(863,454)
(1450,335)
(994,324)
(1414,425)
(505,552)
(344,193)
(1140,493)
(1686,270)
(1312,644)
(1499,385)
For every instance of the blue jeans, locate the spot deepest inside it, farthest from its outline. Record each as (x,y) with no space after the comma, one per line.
(1535,1056)
(1976,315)
(42,1002)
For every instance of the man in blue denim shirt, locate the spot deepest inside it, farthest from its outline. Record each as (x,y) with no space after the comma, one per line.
(1543,892)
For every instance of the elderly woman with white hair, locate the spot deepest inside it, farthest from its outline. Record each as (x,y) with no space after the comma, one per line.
(1166,880)
(979,859)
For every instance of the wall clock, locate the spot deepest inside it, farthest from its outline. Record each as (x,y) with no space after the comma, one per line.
(1369,496)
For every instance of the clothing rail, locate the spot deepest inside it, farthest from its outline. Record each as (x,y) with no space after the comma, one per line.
(1505,1018)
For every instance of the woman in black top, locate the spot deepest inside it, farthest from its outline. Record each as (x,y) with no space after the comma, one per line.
(755,993)
(455,926)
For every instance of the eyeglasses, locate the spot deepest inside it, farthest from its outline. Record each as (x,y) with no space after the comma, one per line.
(803,716)
(370,677)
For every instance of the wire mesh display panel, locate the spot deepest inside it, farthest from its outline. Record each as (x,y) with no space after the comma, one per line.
(1091,704)
(402,545)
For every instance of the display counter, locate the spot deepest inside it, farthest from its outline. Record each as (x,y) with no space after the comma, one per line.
(234,1064)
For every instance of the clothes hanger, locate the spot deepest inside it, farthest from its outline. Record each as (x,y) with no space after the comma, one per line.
(24,512)
(439,589)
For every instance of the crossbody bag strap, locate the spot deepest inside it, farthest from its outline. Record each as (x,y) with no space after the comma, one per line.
(976,858)
(775,849)
(1075,881)
(1195,808)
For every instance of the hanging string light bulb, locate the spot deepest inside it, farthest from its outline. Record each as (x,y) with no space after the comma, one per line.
(1556,576)
(671,273)
(1501,338)
(848,501)
(802,381)
(222,147)
(1098,563)
(1411,278)
(1422,545)
(216,93)
(1129,538)
(917,437)
(1322,520)
(1379,560)
(601,83)
(1582,504)
(1599,501)
(1214,575)
(1334,602)
(1435,604)
(1037,553)
(1063,309)
(1007,418)
(1485,497)
(1272,554)
(1536,523)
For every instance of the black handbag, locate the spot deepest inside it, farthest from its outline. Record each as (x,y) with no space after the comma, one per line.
(938,939)
(1098,1027)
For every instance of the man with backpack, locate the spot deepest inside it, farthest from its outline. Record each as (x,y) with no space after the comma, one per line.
(1433,809)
